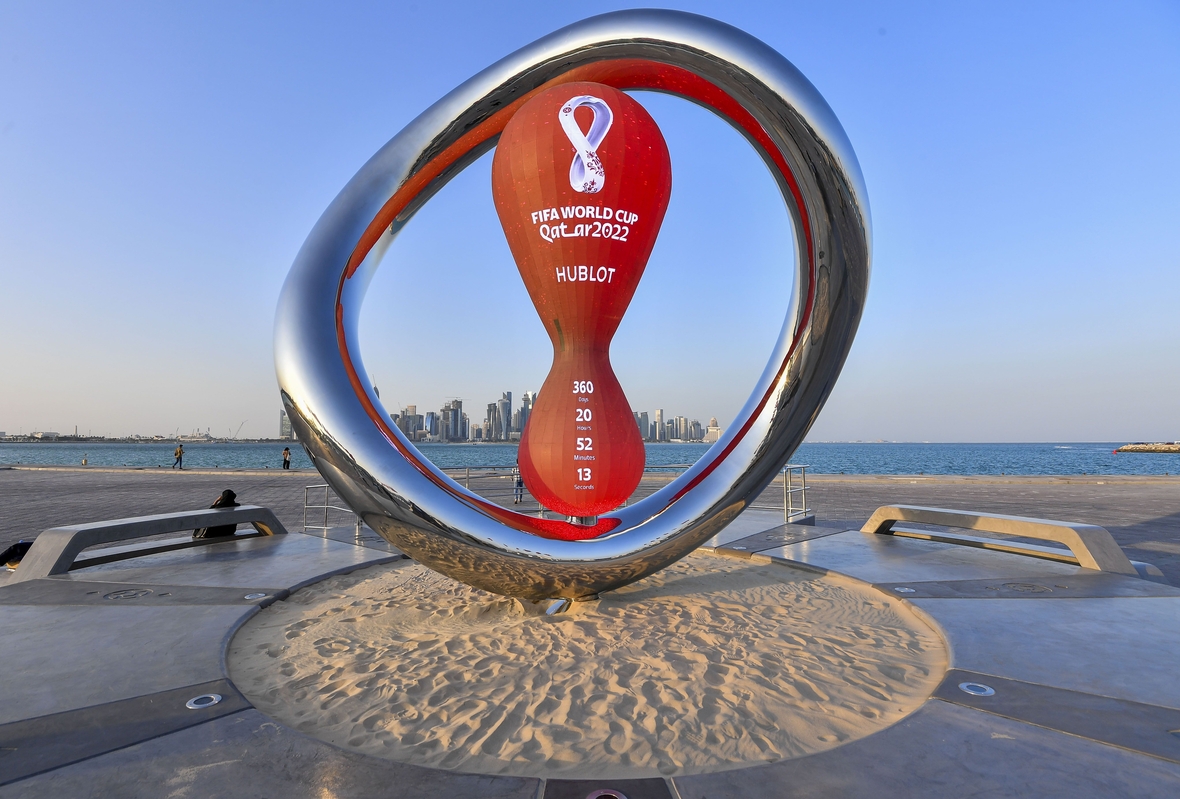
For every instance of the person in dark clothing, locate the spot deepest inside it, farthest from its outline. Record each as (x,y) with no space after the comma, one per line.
(12,556)
(179,454)
(228,499)
(517,485)
(286,457)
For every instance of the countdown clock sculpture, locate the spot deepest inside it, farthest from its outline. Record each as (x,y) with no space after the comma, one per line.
(570,138)
(581,453)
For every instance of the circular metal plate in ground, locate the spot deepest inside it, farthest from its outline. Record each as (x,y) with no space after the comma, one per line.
(203,701)
(1029,588)
(127,593)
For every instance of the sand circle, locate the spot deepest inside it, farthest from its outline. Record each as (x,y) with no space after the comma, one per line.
(711,664)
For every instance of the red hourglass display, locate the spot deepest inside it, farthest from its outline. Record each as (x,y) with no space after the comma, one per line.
(581,179)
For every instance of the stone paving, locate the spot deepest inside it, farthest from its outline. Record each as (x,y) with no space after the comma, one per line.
(1143,513)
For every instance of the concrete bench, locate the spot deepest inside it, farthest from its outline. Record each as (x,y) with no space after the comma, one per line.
(1093,547)
(54,551)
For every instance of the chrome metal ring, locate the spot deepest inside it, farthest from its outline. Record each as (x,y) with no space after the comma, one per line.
(203,701)
(411,503)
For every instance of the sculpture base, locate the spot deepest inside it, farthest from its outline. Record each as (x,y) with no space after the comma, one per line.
(709,665)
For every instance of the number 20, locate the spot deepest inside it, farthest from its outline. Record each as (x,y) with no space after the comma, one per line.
(583,415)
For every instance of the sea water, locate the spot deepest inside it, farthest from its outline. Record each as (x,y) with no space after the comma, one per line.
(822,458)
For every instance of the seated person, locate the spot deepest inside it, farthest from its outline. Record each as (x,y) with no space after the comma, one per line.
(228,499)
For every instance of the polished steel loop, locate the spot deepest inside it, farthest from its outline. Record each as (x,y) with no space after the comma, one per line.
(411,503)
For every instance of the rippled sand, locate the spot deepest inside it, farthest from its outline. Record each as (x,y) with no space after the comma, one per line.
(710,664)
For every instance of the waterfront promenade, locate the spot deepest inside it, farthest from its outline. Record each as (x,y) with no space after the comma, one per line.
(1142,512)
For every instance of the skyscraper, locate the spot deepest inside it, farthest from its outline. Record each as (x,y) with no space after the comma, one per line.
(494,426)
(505,406)
(285,431)
(661,433)
(526,407)
(451,424)
(410,422)
(644,426)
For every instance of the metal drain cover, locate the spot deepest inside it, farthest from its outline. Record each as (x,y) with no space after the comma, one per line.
(128,593)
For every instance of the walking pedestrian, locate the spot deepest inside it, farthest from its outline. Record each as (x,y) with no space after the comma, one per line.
(286,457)
(179,455)
(517,485)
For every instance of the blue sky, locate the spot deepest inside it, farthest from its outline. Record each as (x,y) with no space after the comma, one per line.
(160,165)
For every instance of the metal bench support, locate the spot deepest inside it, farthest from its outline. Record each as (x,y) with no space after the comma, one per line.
(1093,546)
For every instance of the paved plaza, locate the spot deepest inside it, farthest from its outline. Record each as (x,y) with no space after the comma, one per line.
(1143,513)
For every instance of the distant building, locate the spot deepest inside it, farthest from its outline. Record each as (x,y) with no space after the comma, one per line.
(526,408)
(46,435)
(286,432)
(452,422)
(410,422)
(493,426)
(505,408)
(660,434)
(712,432)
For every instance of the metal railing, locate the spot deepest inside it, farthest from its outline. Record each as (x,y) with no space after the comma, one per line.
(497,483)
(791,491)
(327,507)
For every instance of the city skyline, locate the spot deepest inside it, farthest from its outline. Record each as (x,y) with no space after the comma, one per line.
(1013,271)
(504,423)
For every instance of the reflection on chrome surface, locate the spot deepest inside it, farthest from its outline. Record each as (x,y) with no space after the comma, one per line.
(410,502)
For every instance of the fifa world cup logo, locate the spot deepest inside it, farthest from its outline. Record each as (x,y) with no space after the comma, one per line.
(581,180)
